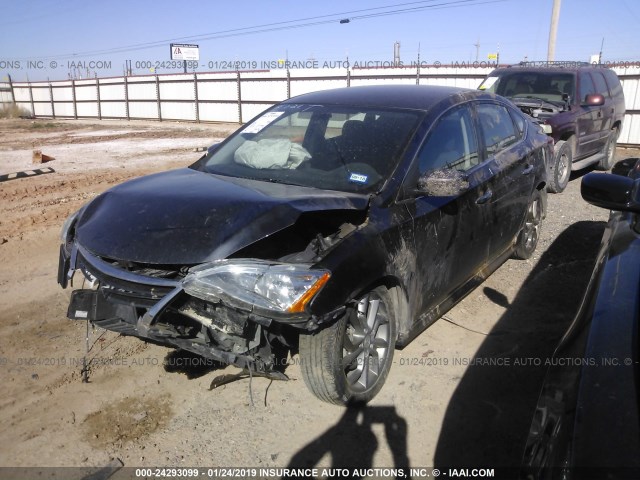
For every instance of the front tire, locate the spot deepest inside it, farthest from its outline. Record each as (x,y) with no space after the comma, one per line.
(609,151)
(560,169)
(348,362)
(528,237)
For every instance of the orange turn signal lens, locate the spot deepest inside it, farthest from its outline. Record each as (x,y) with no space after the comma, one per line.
(299,305)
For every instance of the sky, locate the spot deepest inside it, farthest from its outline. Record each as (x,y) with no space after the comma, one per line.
(56,39)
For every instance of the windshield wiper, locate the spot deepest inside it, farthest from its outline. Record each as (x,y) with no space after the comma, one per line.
(277,180)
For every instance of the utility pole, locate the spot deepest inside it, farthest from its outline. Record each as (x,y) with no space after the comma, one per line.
(477,45)
(555,15)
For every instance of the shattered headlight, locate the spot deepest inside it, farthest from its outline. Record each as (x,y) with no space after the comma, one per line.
(275,287)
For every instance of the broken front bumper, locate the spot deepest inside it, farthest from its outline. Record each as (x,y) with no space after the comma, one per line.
(160,310)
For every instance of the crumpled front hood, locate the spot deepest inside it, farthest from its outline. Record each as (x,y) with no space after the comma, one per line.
(188,217)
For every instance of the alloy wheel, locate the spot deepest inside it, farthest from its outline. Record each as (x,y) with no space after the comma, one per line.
(366,343)
(563,169)
(531,229)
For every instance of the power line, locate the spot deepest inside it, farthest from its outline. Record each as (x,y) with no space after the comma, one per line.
(284,25)
(433,7)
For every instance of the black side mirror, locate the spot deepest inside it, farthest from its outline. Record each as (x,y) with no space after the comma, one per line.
(446,182)
(594,100)
(612,192)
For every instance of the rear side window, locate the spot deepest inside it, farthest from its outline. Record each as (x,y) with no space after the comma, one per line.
(586,86)
(600,84)
(497,127)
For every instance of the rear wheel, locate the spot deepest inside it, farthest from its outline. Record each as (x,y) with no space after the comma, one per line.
(528,237)
(609,151)
(348,362)
(560,168)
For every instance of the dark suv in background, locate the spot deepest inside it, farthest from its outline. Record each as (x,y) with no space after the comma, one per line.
(582,104)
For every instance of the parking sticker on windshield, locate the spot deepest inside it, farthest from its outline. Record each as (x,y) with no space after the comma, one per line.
(488,83)
(262,122)
(358,178)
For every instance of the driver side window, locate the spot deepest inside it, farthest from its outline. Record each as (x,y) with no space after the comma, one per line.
(586,86)
(451,143)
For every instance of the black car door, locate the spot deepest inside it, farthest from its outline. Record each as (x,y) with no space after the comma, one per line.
(507,170)
(452,229)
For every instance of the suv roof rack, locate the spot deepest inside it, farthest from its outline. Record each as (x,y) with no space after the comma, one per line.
(546,63)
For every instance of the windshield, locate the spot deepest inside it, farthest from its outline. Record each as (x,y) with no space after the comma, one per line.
(549,86)
(352,149)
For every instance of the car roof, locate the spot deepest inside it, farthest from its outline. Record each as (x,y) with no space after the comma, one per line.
(415,97)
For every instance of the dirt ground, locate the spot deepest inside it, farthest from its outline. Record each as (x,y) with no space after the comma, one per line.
(144,406)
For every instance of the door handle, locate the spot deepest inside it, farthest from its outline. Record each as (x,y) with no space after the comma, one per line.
(527,170)
(599,113)
(484,198)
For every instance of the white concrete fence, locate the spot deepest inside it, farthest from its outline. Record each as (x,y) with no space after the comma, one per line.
(239,96)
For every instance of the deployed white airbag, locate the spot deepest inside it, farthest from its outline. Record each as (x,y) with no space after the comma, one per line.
(271,153)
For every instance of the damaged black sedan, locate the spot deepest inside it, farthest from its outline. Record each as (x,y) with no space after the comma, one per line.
(337,224)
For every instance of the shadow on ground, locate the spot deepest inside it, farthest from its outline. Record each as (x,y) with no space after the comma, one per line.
(578,174)
(189,364)
(488,418)
(351,443)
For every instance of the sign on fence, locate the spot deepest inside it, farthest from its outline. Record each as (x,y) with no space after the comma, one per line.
(180,51)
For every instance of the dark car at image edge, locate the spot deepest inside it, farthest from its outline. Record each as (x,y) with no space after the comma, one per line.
(338,224)
(587,421)
(581,105)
